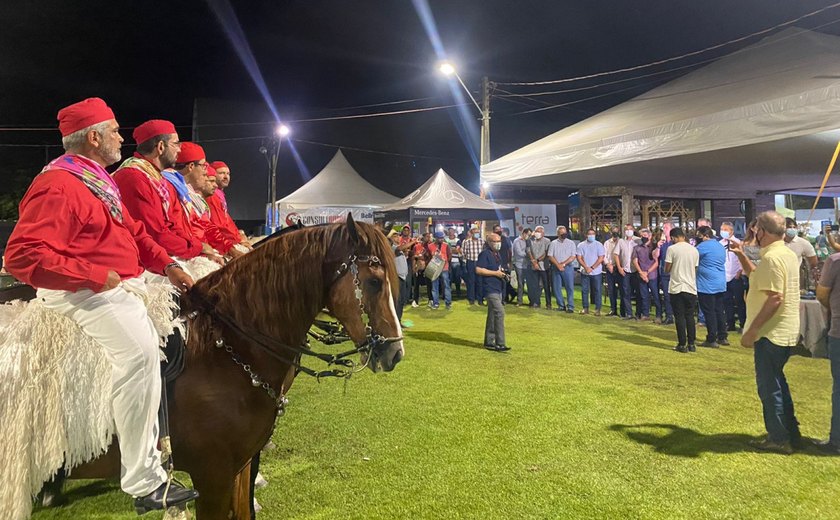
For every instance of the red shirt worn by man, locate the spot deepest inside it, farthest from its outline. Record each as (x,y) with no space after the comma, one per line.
(66,237)
(220,217)
(163,219)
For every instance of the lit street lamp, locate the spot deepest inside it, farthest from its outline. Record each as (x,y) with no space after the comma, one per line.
(448,69)
(272,215)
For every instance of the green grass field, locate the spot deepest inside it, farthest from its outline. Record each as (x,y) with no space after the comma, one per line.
(585,418)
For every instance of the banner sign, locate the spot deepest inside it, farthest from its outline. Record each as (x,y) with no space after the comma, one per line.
(313,216)
(533,215)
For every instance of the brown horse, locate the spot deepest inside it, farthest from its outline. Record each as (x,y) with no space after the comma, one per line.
(247,322)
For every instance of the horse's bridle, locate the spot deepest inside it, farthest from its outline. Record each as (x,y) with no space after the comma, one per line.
(345,367)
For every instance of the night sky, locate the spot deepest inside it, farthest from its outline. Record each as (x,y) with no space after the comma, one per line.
(155,59)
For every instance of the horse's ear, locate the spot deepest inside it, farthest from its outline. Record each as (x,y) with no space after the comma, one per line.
(351,228)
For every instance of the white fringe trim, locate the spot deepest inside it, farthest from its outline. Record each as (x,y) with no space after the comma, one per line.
(55,395)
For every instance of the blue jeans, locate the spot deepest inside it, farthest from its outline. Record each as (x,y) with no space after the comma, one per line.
(520,278)
(664,282)
(475,290)
(613,289)
(590,282)
(776,402)
(455,276)
(834,355)
(650,294)
(626,294)
(564,279)
(447,291)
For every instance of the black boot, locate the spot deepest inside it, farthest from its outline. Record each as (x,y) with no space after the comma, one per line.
(177,494)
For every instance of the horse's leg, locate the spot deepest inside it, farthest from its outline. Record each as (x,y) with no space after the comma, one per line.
(51,494)
(216,488)
(241,505)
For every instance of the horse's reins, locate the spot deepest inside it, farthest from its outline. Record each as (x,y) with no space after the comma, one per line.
(373,341)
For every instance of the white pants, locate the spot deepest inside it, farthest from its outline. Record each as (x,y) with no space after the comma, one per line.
(118,320)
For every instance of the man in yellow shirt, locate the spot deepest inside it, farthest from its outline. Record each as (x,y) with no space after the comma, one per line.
(771,329)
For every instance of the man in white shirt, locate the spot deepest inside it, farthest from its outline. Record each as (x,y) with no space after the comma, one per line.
(733,300)
(800,246)
(681,263)
(613,278)
(622,259)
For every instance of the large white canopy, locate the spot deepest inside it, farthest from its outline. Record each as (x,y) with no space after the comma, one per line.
(762,119)
(337,185)
(443,197)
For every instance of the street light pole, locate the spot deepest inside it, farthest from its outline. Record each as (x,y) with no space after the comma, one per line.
(272,214)
(485,130)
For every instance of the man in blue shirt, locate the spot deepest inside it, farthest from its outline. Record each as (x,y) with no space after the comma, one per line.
(590,256)
(489,270)
(711,286)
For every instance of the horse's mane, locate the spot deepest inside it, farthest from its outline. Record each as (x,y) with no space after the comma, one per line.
(277,287)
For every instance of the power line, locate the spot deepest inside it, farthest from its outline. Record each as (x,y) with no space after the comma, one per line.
(674,58)
(380,152)
(568,103)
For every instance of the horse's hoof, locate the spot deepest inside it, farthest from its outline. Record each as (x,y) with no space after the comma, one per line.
(53,500)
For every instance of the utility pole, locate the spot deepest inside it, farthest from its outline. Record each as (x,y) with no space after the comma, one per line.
(485,129)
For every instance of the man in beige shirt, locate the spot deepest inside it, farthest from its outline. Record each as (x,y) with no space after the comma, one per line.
(772,328)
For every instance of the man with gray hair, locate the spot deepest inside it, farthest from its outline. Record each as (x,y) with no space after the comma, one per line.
(539,269)
(489,270)
(79,246)
(772,329)
(562,253)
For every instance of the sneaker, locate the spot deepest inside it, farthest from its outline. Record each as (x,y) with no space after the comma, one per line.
(414,305)
(434,306)
(585,311)
(612,313)
(723,342)
(680,348)
(502,348)
(692,347)
(449,306)
(559,309)
(570,311)
(597,313)
(490,347)
(828,447)
(783,448)
(628,317)
(668,321)
(710,344)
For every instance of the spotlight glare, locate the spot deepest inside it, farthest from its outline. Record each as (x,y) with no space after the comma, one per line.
(447,68)
(283,130)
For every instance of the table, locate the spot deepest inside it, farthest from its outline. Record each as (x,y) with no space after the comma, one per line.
(813,327)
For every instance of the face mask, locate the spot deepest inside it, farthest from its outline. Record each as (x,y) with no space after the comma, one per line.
(497,246)
(628,233)
(562,235)
(645,240)
(791,232)
(724,234)
(476,235)
(590,238)
(538,235)
(615,234)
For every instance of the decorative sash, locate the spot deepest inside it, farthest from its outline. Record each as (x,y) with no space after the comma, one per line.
(183,190)
(155,179)
(94,176)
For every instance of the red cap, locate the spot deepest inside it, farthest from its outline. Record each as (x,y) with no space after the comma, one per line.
(83,114)
(211,172)
(219,164)
(190,152)
(152,128)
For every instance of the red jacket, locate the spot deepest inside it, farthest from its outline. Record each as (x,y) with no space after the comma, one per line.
(65,238)
(220,217)
(145,205)
(208,232)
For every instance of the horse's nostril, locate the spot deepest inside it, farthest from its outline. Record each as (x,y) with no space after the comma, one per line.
(398,357)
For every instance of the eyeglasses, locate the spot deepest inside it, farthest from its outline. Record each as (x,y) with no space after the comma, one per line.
(203,165)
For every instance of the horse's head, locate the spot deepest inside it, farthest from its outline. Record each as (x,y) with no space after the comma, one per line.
(362,296)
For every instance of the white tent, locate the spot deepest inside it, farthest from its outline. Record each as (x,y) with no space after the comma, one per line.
(331,194)
(442,197)
(762,119)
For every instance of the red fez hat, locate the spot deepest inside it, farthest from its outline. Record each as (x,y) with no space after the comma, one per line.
(219,164)
(83,114)
(152,128)
(190,152)
(211,172)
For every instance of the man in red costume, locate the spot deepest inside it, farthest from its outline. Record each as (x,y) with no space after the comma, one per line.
(189,178)
(79,246)
(218,204)
(149,197)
